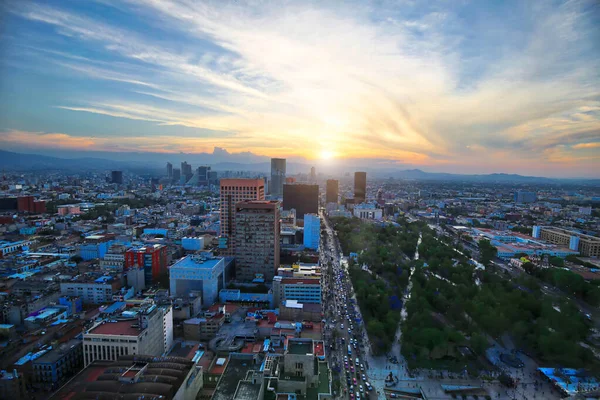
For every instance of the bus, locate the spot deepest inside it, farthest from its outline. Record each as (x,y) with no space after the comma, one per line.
(349,350)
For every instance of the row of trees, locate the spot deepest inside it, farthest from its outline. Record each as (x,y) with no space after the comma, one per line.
(480,303)
(386,251)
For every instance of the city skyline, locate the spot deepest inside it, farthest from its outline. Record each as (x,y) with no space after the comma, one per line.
(473,88)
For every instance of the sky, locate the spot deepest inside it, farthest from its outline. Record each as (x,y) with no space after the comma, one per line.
(447,86)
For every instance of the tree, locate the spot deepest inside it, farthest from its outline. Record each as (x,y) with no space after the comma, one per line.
(487,252)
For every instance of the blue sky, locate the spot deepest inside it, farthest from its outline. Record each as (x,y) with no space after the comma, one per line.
(456,86)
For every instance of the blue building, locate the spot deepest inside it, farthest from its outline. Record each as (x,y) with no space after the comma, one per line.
(312,231)
(55,367)
(95,246)
(525,197)
(202,273)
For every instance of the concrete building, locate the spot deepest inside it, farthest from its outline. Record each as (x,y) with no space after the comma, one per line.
(116,177)
(367,211)
(331,191)
(139,376)
(360,187)
(304,290)
(12,386)
(257,240)
(153,258)
(303,198)
(278,171)
(312,231)
(58,365)
(232,192)
(200,273)
(300,361)
(146,330)
(95,246)
(588,246)
(92,291)
(525,197)
(186,172)
(169,170)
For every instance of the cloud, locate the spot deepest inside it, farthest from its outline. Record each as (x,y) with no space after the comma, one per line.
(392,80)
(594,145)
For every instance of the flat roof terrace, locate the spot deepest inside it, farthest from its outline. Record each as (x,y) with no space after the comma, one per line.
(300,347)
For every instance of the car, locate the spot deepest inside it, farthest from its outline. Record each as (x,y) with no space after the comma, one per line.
(354,381)
(362,367)
(342,326)
(369,387)
(361,389)
(357,361)
(352,368)
(393,395)
(351,396)
(348,381)
(364,378)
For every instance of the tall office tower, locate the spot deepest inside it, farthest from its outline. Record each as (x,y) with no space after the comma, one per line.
(525,197)
(186,171)
(200,178)
(256,240)
(232,192)
(312,231)
(116,177)
(313,175)
(170,170)
(331,192)
(212,177)
(360,187)
(301,197)
(277,176)
(176,174)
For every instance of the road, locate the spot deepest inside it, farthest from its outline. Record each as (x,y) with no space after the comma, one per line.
(343,329)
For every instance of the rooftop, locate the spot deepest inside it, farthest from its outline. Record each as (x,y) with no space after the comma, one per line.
(193,262)
(161,379)
(236,370)
(247,390)
(124,328)
(300,346)
(58,353)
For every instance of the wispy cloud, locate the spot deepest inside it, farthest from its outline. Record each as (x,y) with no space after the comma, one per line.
(385,80)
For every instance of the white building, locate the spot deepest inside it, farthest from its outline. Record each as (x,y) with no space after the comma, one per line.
(147,330)
(367,211)
(202,273)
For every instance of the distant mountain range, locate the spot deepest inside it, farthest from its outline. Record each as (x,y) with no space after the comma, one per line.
(155,162)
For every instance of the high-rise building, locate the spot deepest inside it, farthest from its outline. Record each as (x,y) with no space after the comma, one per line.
(152,258)
(331,192)
(117,177)
(277,176)
(360,187)
(232,192)
(169,170)
(200,178)
(201,273)
(256,240)
(186,172)
(312,231)
(176,175)
(313,175)
(525,197)
(301,197)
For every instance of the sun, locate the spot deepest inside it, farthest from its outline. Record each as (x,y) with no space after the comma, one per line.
(326,154)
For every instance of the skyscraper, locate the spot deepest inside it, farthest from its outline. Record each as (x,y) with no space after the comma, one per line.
(301,197)
(277,176)
(256,240)
(331,192)
(176,175)
(186,172)
(200,178)
(170,170)
(360,187)
(232,192)
(116,177)
(312,231)
(313,175)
